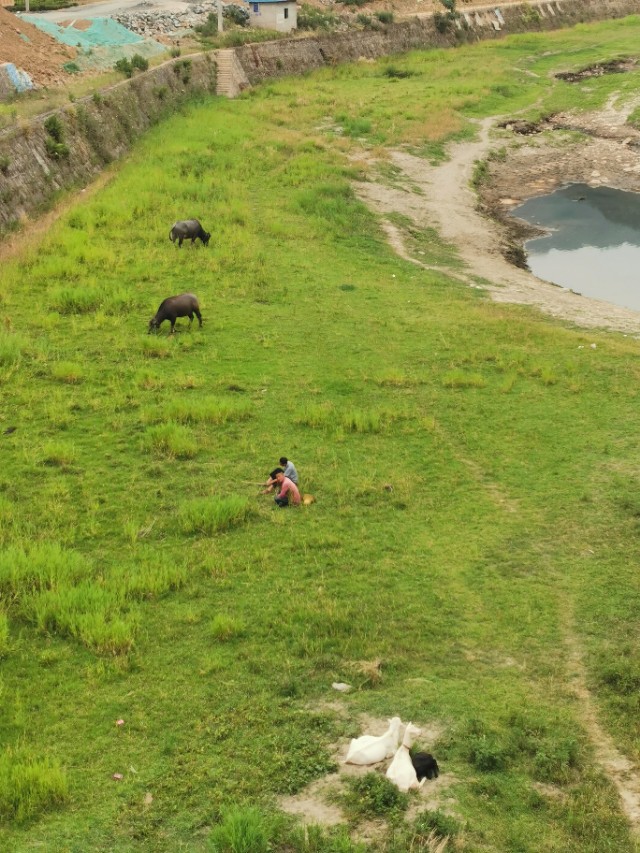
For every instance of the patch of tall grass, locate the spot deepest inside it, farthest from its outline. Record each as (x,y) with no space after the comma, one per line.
(242,830)
(37,567)
(212,515)
(208,410)
(29,786)
(95,615)
(67,371)
(171,440)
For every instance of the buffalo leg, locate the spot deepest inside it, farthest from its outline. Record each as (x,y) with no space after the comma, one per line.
(198,315)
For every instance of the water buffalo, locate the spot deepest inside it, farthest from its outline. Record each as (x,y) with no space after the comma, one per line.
(185,305)
(188,229)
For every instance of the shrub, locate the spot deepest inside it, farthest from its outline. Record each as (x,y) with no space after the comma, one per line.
(124,66)
(175,52)
(5,162)
(373,795)
(140,62)
(437,823)
(71,67)
(241,830)
(385,17)
(236,14)
(54,141)
(210,515)
(29,786)
(209,28)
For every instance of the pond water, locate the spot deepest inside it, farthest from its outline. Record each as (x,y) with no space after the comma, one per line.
(593,244)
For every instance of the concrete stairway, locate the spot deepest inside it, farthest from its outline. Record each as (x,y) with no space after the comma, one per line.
(230,76)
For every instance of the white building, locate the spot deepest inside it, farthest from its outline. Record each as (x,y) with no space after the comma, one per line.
(280,15)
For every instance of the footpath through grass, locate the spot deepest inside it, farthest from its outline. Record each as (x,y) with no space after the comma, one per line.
(143,578)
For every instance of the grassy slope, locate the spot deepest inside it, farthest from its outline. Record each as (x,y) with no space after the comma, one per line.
(512,452)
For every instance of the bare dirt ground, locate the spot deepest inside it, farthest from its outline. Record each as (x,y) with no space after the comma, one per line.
(33,51)
(440,197)
(319,803)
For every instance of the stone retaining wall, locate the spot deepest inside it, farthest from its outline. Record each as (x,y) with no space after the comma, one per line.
(95,131)
(102,128)
(267,60)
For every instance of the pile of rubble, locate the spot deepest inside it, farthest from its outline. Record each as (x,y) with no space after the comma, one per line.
(147,20)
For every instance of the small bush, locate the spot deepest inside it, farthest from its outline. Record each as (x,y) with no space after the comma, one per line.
(211,515)
(54,128)
(175,52)
(236,14)
(56,150)
(139,62)
(385,17)
(241,830)
(71,67)
(171,440)
(29,786)
(436,822)
(373,795)
(209,28)
(5,162)
(124,66)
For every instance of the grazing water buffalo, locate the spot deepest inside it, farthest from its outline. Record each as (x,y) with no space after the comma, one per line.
(185,305)
(188,229)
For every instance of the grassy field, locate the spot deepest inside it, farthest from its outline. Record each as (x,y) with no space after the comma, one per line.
(144,579)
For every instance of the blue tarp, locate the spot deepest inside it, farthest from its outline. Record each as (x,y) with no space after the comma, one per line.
(18,79)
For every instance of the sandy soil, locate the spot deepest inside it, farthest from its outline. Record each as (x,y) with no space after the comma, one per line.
(440,197)
(33,51)
(318,802)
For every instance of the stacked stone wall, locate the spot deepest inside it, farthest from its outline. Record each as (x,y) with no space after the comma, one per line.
(101,128)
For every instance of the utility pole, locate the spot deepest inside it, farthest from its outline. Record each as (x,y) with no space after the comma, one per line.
(218,4)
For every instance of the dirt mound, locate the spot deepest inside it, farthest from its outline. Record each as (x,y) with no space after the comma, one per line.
(31,50)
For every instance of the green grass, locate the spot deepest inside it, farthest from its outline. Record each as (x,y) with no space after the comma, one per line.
(143,576)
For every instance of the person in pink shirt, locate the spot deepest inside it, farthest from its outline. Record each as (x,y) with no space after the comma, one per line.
(288,491)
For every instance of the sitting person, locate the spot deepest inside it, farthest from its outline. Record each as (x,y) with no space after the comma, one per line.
(288,491)
(289,469)
(271,482)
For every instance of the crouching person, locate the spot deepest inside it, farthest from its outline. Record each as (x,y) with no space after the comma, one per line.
(288,491)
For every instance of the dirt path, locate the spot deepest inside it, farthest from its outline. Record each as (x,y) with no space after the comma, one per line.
(622,772)
(445,201)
